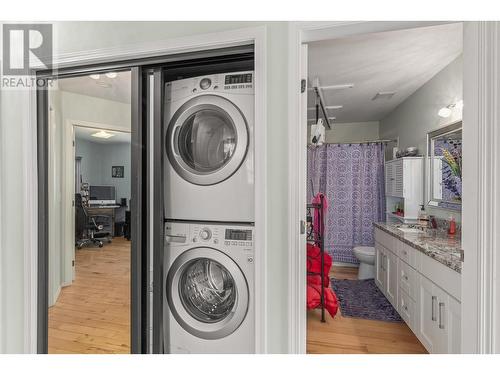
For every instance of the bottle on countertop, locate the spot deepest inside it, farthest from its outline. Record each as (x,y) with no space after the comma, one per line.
(452,226)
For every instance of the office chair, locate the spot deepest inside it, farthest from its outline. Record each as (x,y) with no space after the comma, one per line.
(87,231)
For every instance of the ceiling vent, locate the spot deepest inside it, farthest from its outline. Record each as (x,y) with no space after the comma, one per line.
(384,95)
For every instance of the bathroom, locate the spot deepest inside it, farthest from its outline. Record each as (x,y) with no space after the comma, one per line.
(384,164)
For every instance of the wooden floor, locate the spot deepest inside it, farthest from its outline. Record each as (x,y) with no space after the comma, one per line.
(343,335)
(93,314)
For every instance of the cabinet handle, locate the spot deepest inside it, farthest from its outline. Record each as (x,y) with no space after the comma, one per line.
(433,316)
(441,325)
(405,277)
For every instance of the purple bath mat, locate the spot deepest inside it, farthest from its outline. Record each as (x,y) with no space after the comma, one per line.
(363,299)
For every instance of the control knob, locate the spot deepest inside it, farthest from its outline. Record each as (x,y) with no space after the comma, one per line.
(205,83)
(205,234)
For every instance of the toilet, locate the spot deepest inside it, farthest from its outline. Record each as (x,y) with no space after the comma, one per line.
(366,257)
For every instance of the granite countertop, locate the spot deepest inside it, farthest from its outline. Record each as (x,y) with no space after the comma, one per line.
(434,243)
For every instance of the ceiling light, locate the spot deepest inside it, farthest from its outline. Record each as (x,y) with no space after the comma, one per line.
(103,84)
(103,134)
(444,112)
(384,95)
(95,76)
(111,74)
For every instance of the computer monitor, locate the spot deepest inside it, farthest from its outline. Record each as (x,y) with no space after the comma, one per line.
(100,194)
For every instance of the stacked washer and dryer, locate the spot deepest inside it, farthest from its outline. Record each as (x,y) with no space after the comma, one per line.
(209,211)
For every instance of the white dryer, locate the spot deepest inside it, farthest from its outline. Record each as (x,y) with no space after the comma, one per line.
(209,166)
(209,304)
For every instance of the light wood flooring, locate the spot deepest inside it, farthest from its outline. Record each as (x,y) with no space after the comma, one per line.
(343,335)
(93,314)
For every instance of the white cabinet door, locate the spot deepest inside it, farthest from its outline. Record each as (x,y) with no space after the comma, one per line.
(389,179)
(379,267)
(454,326)
(398,181)
(427,307)
(448,323)
(391,274)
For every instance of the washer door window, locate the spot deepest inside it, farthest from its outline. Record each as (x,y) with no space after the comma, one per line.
(207,293)
(207,140)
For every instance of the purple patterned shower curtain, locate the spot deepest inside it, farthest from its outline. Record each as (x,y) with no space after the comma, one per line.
(352,177)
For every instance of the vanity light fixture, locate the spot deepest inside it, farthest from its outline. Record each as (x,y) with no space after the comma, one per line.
(111,74)
(95,76)
(103,134)
(446,111)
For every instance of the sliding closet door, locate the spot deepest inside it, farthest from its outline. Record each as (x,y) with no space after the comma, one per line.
(139,257)
(154,98)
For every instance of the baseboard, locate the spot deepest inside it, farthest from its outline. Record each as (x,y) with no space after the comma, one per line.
(343,264)
(56,296)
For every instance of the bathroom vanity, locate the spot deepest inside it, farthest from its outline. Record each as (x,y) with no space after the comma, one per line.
(419,272)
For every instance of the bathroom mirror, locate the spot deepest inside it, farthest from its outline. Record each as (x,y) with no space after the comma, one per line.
(444,167)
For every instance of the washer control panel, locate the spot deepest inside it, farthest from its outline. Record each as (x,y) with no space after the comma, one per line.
(181,234)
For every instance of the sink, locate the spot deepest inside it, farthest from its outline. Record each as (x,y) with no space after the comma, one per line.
(410,230)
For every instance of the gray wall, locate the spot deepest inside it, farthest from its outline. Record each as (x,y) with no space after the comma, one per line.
(97,160)
(350,132)
(417,115)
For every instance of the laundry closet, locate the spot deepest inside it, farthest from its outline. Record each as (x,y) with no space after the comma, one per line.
(209,208)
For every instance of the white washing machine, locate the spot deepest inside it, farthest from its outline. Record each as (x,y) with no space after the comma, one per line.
(209,166)
(209,304)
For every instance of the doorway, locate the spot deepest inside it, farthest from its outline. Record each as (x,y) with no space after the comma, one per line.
(358,130)
(89,171)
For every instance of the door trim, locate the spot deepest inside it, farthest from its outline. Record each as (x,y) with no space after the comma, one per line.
(89,61)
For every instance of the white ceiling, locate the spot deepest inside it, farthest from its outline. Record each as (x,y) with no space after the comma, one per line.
(400,61)
(86,134)
(117,89)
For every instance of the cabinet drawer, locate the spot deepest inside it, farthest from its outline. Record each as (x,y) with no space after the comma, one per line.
(386,240)
(407,254)
(407,279)
(406,309)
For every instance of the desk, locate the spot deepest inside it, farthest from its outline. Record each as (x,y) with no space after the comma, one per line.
(105,211)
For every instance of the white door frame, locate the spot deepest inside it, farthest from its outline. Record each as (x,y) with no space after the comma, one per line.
(68,179)
(479,233)
(230,38)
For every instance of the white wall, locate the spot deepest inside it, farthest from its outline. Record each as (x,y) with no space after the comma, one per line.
(417,115)
(350,132)
(78,36)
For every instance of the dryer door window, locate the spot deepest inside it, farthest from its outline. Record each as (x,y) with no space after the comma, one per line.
(207,140)
(207,290)
(207,293)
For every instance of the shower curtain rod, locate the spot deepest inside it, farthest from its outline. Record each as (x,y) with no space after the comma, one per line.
(363,142)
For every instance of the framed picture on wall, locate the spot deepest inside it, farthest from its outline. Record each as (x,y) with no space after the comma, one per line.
(117,171)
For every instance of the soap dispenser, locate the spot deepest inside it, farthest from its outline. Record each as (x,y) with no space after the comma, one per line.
(423,218)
